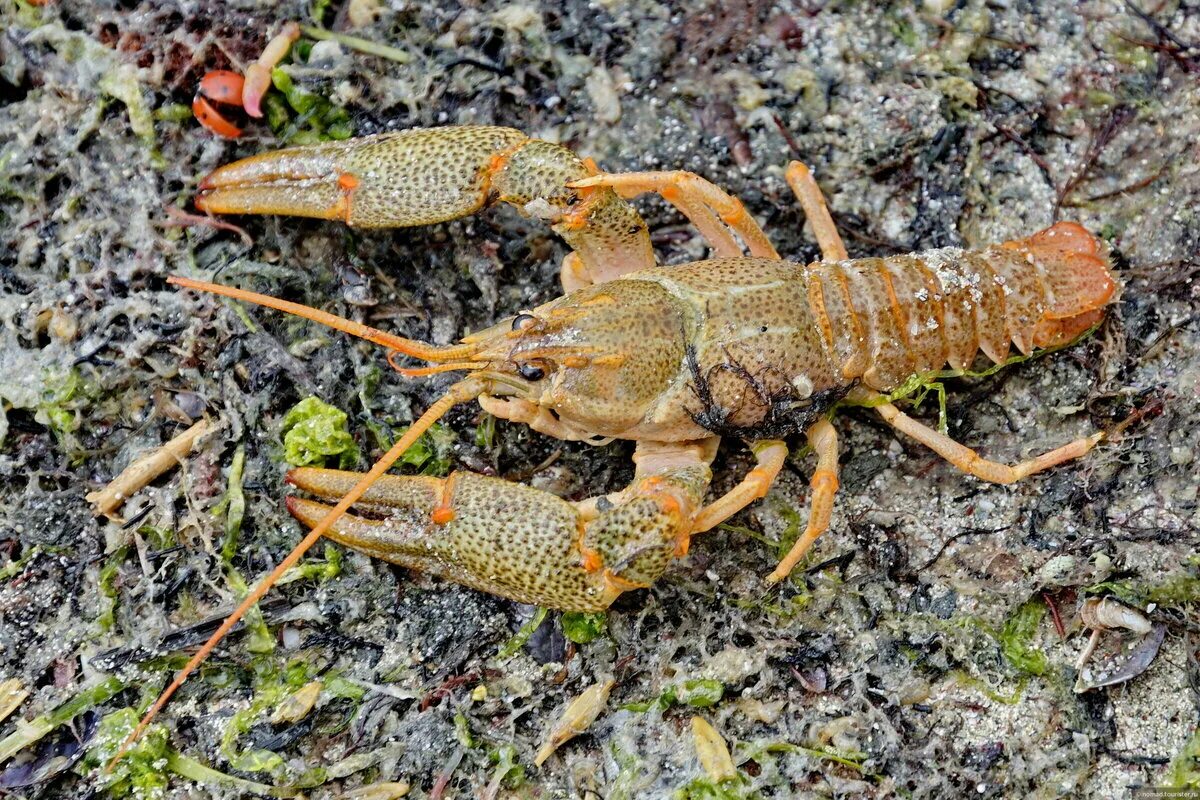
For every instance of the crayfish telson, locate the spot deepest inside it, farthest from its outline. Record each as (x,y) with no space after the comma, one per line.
(673,358)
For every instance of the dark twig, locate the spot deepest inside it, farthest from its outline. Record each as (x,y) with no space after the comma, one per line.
(1026,148)
(1058,623)
(1136,186)
(1185,54)
(1117,118)
(787,136)
(960,535)
(1012,136)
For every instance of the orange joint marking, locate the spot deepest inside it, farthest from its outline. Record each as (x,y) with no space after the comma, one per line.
(670,193)
(591,559)
(574,220)
(347,182)
(621,584)
(610,360)
(897,309)
(816,302)
(495,166)
(590,165)
(735,213)
(858,361)
(855,322)
(823,478)
(763,480)
(657,488)
(579,215)
(497,163)
(669,504)
(444,513)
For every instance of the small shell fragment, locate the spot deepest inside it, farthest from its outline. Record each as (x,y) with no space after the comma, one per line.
(1105,614)
(12,694)
(296,706)
(712,751)
(362,13)
(576,719)
(1134,662)
(377,791)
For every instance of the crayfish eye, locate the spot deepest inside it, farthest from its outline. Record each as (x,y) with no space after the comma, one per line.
(530,371)
(522,321)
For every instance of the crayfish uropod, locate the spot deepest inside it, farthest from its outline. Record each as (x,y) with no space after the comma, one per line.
(741,345)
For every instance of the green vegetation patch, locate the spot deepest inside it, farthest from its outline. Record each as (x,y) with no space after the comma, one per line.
(581,627)
(314,432)
(1017,635)
(694,692)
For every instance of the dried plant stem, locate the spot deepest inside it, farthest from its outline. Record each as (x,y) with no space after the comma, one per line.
(146,468)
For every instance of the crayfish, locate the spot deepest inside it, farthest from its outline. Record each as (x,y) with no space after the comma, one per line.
(746,346)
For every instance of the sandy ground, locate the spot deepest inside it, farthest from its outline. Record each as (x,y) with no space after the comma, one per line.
(915,655)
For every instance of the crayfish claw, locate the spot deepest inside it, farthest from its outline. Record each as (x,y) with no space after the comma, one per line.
(509,539)
(499,537)
(423,176)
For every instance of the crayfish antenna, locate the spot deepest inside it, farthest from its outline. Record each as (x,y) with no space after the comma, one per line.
(425,352)
(460,392)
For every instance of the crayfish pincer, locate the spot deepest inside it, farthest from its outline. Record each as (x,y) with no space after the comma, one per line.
(673,358)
